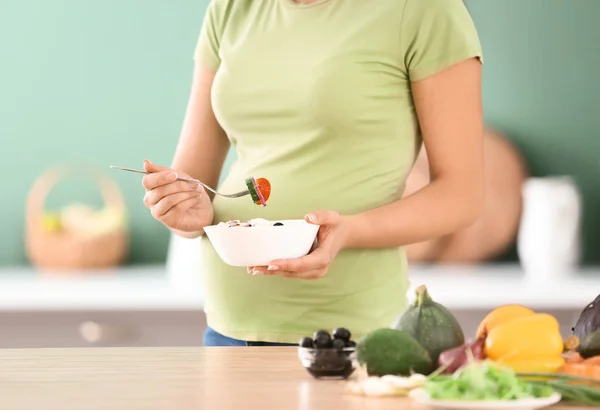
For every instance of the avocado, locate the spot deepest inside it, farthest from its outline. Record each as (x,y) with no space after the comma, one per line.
(590,345)
(390,351)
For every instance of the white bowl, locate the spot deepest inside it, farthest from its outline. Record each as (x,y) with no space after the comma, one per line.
(260,245)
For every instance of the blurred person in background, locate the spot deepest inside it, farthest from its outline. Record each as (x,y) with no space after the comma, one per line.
(496,229)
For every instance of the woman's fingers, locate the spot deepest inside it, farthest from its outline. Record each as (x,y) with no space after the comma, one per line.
(157,179)
(311,266)
(316,260)
(150,167)
(175,216)
(169,202)
(158,175)
(153,196)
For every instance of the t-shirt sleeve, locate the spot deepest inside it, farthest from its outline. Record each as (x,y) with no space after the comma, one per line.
(207,48)
(436,34)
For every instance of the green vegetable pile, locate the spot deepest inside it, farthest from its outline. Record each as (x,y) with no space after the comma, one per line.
(580,390)
(484,381)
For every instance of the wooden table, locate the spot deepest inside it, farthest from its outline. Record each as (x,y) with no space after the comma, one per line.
(229,378)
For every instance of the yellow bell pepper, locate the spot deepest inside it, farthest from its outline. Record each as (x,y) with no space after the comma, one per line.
(539,364)
(530,336)
(500,315)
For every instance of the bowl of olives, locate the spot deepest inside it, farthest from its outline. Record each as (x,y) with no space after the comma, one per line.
(328,355)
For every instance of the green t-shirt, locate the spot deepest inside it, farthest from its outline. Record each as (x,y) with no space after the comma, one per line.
(316,98)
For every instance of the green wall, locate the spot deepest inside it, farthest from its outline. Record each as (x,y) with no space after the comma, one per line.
(97,82)
(106,83)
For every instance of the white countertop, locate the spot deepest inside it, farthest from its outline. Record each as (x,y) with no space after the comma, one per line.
(489,286)
(125,288)
(151,288)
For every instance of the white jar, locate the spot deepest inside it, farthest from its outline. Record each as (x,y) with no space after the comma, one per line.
(548,241)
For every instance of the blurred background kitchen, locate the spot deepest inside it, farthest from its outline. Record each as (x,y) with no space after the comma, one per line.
(86,84)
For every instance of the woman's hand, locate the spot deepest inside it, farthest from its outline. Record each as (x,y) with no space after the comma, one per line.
(178,205)
(332,237)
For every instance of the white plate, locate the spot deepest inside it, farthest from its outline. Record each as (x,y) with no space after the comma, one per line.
(421,396)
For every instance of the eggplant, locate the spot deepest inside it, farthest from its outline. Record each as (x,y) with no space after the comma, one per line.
(453,359)
(589,320)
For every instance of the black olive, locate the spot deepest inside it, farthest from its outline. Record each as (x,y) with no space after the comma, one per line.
(321,333)
(277,224)
(341,333)
(306,342)
(322,342)
(339,344)
(351,343)
(322,339)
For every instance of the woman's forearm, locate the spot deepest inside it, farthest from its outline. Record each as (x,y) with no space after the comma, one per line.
(440,208)
(203,145)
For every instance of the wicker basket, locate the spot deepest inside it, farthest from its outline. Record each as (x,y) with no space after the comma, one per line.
(64,250)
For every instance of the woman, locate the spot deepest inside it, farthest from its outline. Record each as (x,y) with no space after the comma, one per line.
(329,100)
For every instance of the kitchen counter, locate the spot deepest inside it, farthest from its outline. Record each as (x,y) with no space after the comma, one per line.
(172,378)
(162,305)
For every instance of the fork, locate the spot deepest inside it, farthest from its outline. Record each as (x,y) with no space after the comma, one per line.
(193,181)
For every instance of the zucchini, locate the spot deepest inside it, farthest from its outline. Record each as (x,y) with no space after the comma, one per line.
(255,194)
